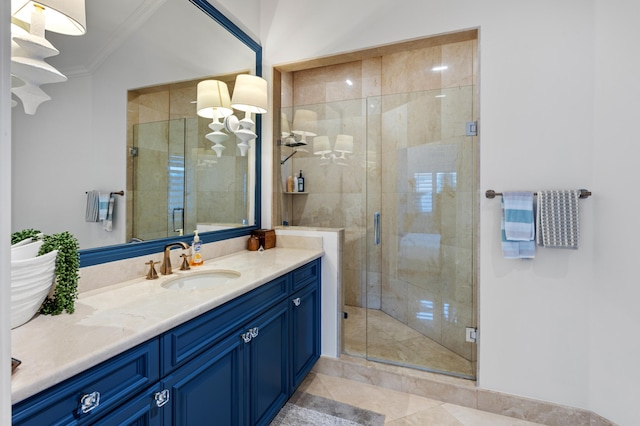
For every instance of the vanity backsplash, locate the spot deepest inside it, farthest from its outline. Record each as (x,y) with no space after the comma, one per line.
(106,274)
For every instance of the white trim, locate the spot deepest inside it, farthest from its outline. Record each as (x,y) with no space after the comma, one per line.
(5,213)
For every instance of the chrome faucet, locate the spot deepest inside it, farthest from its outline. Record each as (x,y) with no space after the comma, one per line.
(165,268)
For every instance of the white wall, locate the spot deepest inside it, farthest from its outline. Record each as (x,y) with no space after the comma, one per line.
(615,292)
(5,215)
(558,328)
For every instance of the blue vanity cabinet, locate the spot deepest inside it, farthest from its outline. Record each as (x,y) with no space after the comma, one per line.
(235,365)
(184,342)
(304,331)
(241,380)
(209,389)
(87,397)
(268,364)
(145,409)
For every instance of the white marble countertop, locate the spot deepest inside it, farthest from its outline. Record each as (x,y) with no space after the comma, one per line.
(113,319)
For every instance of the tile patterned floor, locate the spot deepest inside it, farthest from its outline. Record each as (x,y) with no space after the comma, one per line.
(388,339)
(401,409)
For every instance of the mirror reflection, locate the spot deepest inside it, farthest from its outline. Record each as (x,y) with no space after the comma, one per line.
(177,182)
(84,138)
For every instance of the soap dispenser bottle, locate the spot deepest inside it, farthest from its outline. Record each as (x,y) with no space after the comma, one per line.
(300,182)
(196,245)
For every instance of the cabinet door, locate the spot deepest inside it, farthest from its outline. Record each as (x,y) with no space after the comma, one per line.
(140,411)
(208,390)
(305,332)
(268,361)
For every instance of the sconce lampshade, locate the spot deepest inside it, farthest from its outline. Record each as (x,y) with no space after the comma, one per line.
(61,16)
(213,95)
(305,122)
(321,145)
(344,143)
(250,94)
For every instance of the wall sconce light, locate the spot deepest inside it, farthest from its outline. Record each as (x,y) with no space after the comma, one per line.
(29,49)
(213,102)
(249,95)
(343,146)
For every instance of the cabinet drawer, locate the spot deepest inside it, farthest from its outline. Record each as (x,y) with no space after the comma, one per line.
(141,410)
(192,338)
(305,274)
(107,385)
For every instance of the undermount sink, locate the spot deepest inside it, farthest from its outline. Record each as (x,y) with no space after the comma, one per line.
(202,280)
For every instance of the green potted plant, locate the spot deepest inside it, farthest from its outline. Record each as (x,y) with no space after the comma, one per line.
(66,270)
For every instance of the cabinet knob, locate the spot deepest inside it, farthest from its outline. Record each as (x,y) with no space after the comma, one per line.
(254,332)
(88,402)
(297,301)
(246,337)
(161,397)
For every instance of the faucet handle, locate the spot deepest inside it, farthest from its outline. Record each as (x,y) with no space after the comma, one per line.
(152,274)
(185,262)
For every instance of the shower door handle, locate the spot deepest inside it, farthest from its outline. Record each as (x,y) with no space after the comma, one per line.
(181,210)
(376,228)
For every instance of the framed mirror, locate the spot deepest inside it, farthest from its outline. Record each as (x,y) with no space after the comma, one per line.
(81,140)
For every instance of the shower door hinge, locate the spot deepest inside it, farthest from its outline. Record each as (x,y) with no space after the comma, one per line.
(472,334)
(472,128)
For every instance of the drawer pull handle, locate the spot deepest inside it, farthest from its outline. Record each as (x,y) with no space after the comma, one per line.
(161,397)
(89,401)
(296,301)
(251,333)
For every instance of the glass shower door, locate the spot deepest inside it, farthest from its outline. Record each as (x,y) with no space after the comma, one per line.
(421,186)
(158,179)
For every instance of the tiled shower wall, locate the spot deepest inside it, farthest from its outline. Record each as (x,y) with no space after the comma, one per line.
(397,129)
(147,182)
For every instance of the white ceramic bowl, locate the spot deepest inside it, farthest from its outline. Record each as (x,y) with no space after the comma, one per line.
(31,281)
(22,250)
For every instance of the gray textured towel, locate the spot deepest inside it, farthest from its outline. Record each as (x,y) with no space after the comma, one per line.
(558,219)
(91,212)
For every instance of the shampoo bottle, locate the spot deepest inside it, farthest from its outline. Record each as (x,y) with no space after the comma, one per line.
(300,182)
(196,245)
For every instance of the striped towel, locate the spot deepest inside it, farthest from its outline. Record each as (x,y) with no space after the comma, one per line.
(107,223)
(103,205)
(558,221)
(517,225)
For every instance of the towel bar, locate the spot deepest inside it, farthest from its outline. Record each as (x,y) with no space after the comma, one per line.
(112,193)
(492,194)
